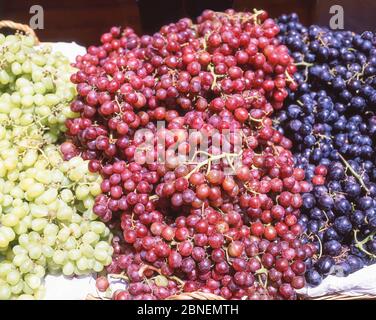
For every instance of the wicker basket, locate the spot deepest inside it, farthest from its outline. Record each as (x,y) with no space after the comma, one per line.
(202,296)
(341,296)
(19,27)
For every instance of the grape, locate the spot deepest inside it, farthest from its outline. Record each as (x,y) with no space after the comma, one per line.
(189,220)
(44,200)
(331,120)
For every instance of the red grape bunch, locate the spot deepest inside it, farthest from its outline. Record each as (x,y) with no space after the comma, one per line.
(210,200)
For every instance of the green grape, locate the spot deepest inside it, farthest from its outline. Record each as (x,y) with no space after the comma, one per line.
(9,220)
(16,68)
(47,251)
(100,254)
(50,196)
(13,277)
(74,254)
(108,260)
(8,232)
(68,269)
(87,250)
(4,79)
(90,237)
(23,240)
(26,90)
(59,257)
(16,192)
(43,177)
(27,67)
(51,229)
(65,213)
(5,291)
(85,227)
(46,219)
(71,243)
(35,251)
(17,249)
(39,271)
(32,281)
(90,263)
(88,204)
(17,288)
(98,267)
(5,268)
(26,183)
(35,190)
(38,224)
(39,87)
(42,261)
(21,228)
(34,237)
(75,230)
(38,211)
(50,240)
(40,293)
(82,263)
(4,242)
(102,245)
(76,218)
(63,234)
(82,192)
(95,189)
(26,266)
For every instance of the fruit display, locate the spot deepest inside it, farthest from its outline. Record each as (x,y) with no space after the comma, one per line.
(332,121)
(232,156)
(46,220)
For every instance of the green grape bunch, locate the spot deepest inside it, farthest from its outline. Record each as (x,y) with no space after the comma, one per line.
(47,225)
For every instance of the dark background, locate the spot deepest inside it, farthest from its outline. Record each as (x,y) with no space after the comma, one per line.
(84,21)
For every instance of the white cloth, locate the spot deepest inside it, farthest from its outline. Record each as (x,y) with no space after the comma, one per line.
(63,288)
(77,288)
(70,49)
(358,283)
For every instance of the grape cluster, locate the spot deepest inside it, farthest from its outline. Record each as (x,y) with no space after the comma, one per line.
(46,218)
(188,225)
(332,121)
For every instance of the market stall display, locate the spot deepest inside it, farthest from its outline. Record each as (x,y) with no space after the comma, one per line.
(228,158)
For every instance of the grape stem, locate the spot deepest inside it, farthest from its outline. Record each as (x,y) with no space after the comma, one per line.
(215,76)
(148,267)
(119,276)
(356,175)
(154,197)
(256,120)
(320,243)
(228,257)
(212,158)
(303,64)
(360,244)
(289,78)
(259,273)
